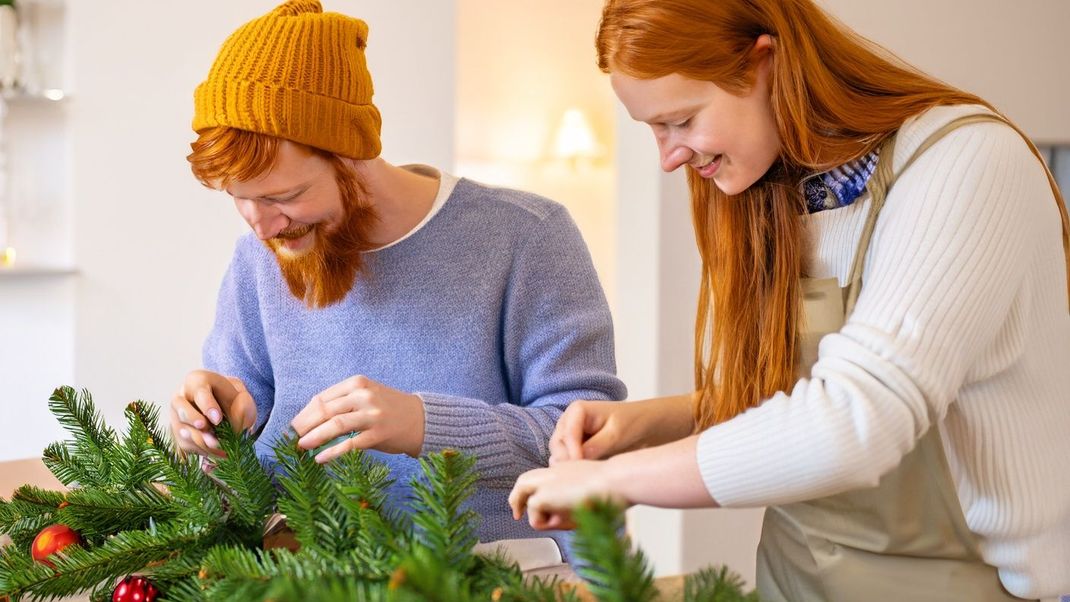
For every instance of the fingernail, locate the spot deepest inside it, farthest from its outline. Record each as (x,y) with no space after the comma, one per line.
(211,441)
(214,416)
(183,416)
(184,434)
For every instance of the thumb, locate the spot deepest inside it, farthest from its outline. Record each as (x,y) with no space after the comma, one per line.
(601,444)
(242,408)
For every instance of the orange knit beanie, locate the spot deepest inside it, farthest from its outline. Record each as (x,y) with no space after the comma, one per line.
(296,73)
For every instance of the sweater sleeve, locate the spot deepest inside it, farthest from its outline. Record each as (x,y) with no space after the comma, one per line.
(236,346)
(557,347)
(946,262)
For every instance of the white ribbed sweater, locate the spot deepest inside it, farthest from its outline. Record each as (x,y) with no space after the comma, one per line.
(962,324)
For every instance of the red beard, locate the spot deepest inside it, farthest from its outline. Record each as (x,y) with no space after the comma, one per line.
(325,273)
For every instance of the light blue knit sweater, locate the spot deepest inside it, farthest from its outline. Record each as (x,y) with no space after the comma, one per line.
(491,312)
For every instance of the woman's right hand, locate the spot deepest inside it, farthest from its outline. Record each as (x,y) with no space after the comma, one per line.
(592,430)
(202,401)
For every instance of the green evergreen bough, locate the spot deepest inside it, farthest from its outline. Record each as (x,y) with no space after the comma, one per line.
(142,508)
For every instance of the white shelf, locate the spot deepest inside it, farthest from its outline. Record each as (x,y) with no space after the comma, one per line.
(48,3)
(34,271)
(44,97)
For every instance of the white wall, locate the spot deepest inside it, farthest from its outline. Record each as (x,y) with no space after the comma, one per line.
(1013,54)
(151,243)
(514,85)
(36,296)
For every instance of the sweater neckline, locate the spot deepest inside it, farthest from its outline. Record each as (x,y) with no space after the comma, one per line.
(446,184)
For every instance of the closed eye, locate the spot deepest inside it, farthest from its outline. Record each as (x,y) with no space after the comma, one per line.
(283,199)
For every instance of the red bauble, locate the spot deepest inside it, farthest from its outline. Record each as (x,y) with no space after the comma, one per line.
(134,588)
(51,540)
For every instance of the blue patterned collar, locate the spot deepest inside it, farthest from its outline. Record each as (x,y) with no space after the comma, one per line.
(839,186)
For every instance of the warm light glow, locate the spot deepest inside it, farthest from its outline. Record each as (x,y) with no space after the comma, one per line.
(7,258)
(575,138)
(54,94)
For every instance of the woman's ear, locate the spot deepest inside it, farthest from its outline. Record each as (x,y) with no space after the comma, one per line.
(764,43)
(762,54)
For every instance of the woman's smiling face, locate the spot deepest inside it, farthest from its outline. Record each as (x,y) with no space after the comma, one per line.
(729,138)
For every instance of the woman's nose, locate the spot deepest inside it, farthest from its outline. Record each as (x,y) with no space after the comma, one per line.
(674,155)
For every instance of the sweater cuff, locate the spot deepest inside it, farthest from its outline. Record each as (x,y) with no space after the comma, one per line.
(468,426)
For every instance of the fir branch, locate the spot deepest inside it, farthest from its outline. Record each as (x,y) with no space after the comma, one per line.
(361,480)
(77,569)
(309,501)
(138,460)
(94,442)
(503,581)
(70,469)
(145,417)
(613,572)
(360,484)
(102,592)
(444,527)
(19,573)
(250,493)
(536,590)
(292,589)
(176,577)
(431,577)
(185,565)
(199,497)
(30,510)
(185,590)
(716,585)
(377,543)
(230,570)
(93,511)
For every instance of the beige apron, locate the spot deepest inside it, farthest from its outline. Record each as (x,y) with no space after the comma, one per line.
(906,539)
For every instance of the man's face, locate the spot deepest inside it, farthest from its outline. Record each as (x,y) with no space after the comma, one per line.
(312,218)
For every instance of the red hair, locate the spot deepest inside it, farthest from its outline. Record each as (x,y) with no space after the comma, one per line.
(835,95)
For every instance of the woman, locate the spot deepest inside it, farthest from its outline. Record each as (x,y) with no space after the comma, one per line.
(840,197)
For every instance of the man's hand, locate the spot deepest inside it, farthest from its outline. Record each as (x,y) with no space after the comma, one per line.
(382,418)
(202,401)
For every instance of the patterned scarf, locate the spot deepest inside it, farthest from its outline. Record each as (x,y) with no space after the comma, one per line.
(839,186)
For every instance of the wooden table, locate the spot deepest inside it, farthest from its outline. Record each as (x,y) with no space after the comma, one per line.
(32,471)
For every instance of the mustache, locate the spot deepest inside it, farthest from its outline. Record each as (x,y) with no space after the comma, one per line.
(294,233)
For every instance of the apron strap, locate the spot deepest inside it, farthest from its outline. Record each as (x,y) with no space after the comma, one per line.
(884,178)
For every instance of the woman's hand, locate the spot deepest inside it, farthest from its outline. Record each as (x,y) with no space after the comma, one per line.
(666,476)
(591,430)
(383,418)
(549,494)
(202,401)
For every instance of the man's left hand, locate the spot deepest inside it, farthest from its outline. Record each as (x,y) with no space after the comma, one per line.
(383,418)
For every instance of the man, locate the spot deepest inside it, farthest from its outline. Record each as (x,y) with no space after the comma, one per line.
(396,309)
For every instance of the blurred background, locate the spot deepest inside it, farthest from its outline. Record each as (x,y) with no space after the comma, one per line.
(111,253)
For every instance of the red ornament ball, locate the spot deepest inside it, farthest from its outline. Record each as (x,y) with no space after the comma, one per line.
(134,588)
(52,539)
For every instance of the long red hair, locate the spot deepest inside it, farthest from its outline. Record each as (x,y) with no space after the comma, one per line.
(835,95)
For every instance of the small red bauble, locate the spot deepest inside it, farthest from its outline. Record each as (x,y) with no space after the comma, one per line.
(52,539)
(134,588)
